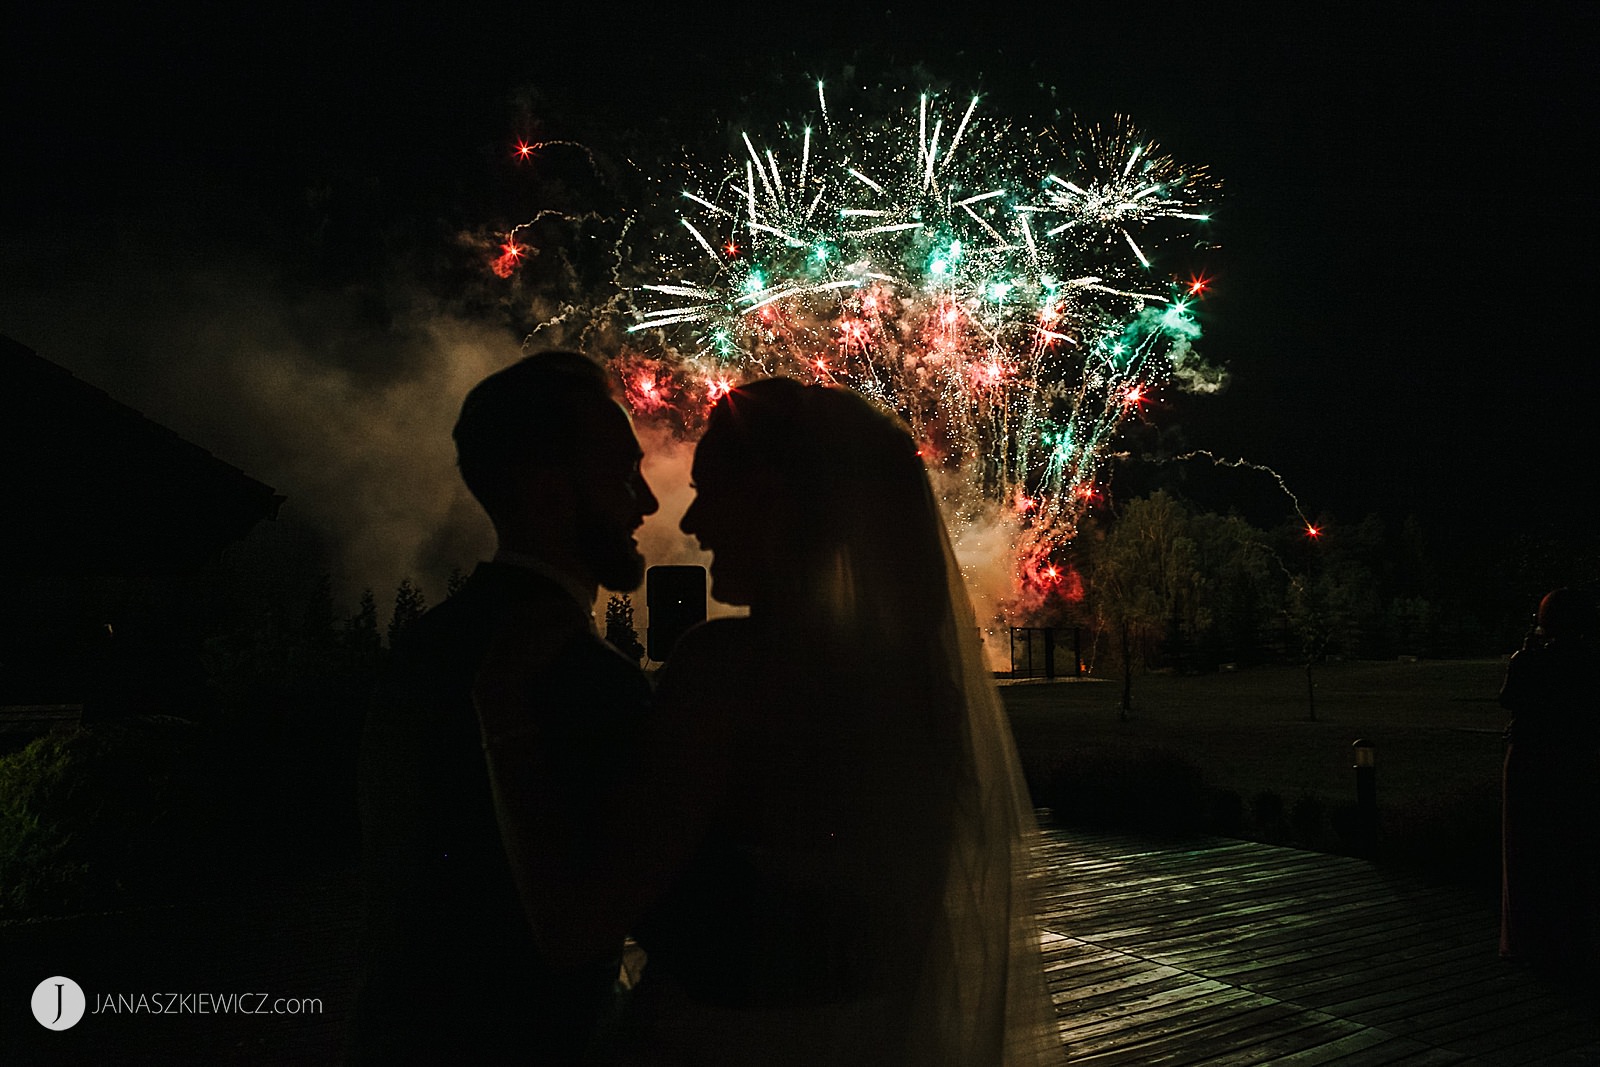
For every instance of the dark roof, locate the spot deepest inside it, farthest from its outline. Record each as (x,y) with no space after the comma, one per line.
(88,485)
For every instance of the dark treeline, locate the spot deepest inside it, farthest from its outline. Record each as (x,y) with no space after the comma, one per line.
(1162,583)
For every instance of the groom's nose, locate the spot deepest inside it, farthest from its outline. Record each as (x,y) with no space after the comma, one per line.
(642,495)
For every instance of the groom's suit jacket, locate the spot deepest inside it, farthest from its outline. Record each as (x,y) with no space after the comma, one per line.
(451,971)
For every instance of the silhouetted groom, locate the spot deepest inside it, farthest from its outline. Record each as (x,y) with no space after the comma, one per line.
(457,965)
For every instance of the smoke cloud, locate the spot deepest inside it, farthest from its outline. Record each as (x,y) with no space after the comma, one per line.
(341,400)
(344,410)
(1192,372)
(984,548)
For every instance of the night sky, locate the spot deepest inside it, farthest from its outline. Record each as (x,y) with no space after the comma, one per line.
(1401,288)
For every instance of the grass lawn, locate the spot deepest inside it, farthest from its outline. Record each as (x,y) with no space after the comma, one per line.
(1436,726)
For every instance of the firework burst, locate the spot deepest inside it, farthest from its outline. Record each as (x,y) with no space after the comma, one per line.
(997,293)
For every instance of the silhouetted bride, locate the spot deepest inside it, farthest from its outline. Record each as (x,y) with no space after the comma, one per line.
(859,891)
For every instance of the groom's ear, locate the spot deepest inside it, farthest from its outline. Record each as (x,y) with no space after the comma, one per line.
(544,489)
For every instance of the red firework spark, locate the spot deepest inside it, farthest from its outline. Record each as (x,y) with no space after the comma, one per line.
(510,259)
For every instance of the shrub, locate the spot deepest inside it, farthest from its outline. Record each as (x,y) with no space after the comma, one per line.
(1267,814)
(1306,821)
(1156,791)
(1454,837)
(1227,813)
(92,816)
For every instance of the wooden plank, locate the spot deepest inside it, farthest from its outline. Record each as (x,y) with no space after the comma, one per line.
(1227,1035)
(1332,978)
(1504,1020)
(1400,1052)
(1135,988)
(1238,953)
(1568,1043)
(1369,1048)
(1310,1040)
(1191,1004)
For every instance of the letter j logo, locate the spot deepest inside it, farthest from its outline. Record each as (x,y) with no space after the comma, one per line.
(58,1003)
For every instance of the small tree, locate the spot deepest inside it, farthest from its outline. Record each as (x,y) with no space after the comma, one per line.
(453,584)
(361,630)
(1241,587)
(1145,580)
(409,604)
(1312,620)
(620,630)
(1334,606)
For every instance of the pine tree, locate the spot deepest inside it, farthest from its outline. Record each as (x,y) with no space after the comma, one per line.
(619,627)
(361,629)
(409,604)
(453,584)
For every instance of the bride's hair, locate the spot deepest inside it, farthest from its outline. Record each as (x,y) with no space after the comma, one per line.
(859,556)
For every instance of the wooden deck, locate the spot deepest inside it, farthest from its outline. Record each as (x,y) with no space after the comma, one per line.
(1227,952)
(1218,952)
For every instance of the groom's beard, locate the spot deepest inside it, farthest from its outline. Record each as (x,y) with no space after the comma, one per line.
(609,551)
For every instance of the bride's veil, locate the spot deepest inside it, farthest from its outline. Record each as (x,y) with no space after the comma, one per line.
(989,902)
(874,568)
(982,993)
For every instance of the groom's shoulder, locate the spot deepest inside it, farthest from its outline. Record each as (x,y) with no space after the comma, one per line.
(495,598)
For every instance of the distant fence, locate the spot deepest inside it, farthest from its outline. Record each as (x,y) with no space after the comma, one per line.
(1046,652)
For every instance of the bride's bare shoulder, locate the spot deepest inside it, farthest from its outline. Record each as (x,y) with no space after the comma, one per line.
(712,647)
(713,635)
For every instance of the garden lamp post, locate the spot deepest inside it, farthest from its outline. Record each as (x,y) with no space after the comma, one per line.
(1366,754)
